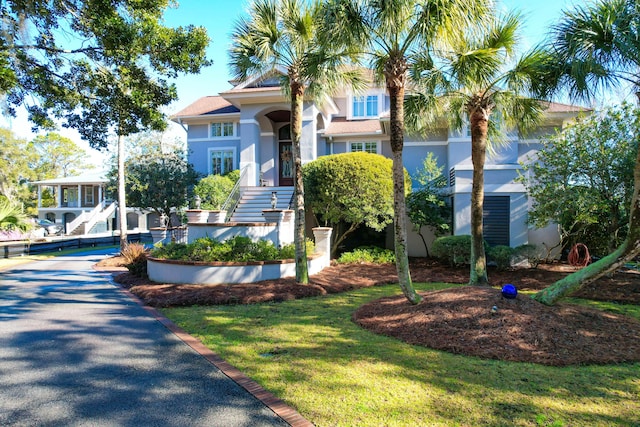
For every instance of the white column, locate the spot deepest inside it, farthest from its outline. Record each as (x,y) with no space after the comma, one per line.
(250,131)
(79,195)
(100,195)
(39,196)
(59,197)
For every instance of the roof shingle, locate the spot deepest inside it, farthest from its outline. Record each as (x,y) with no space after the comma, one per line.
(207,105)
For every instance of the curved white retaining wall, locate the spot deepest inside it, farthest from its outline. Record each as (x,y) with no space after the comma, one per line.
(169,271)
(224,231)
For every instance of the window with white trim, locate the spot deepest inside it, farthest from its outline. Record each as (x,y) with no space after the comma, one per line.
(222,161)
(88,195)
(222,129)
(365,106)
(366,146)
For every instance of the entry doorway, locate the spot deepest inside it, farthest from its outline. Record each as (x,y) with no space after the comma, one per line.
(285,157)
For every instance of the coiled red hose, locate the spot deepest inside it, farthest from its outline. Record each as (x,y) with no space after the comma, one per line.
(579,255)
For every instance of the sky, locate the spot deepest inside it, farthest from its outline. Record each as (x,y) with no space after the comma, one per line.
(219,18)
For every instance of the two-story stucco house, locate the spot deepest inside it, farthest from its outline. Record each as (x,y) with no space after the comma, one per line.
(80,204)
(247,128)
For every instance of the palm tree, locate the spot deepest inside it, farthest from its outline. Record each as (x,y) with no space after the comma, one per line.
(394,35)
(11,217)
(594,48)
(284,34)
(479,79)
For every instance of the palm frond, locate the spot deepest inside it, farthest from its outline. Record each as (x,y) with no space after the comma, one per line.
(11,216)
(596,47)
(504,33)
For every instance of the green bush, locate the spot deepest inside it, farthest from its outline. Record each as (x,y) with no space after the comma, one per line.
(528,252)
(453,250)
(502,255)
(213,190)
(236,249)
(353,189)
(367,254)
(289,251)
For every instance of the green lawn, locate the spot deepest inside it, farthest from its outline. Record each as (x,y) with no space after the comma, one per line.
(310,354)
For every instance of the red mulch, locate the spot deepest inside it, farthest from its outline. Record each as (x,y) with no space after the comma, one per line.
(458,320)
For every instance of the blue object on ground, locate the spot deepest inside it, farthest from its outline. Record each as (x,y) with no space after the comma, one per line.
(509,291)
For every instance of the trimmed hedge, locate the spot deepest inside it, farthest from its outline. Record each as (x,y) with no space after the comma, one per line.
(453,250)
(367,254)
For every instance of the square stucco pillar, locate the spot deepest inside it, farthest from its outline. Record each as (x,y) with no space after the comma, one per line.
(284,224)
(308,139)
(322,237)
(249,142)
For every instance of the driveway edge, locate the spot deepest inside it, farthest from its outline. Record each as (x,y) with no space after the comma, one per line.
(277,405)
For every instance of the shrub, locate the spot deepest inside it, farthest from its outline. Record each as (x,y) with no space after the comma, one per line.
(453,250)
(289,251)
(213,190)
(135,259)
(367,254)
(349,190)
(528,252)
(502,255)
(236,249)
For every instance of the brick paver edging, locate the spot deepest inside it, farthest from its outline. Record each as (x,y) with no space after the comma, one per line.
(284,411)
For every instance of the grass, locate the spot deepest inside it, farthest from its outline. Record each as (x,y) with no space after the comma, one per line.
(310,354)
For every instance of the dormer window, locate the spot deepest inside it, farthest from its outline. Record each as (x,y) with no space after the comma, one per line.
(222,129)
(365,106)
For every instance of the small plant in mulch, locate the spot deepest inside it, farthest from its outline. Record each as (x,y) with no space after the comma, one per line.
(134,257)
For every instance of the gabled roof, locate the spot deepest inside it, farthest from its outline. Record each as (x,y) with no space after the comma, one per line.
(207,105)
(88,178)
(340,126)
(269,78)
(557,107)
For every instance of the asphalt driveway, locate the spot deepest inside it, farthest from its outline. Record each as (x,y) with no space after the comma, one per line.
(76,351)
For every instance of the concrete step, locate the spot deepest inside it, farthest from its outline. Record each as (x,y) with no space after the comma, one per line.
(256,199)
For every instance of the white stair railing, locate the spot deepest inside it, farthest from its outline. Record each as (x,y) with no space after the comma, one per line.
(85,217)
(73,225)
(100,215)
(234,197)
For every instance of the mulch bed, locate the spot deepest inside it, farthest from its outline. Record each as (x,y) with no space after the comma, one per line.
(460,320)
(457,320)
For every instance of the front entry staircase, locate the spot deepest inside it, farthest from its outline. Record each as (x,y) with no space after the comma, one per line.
(88,222)
(256,199)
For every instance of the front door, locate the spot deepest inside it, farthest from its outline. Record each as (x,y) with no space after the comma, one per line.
(285,158)
(70,197)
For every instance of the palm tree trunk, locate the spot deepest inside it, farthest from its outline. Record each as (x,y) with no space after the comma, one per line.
(479,121)
(302,270)
(122,204)
(396,112)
